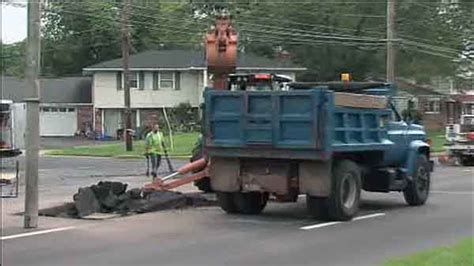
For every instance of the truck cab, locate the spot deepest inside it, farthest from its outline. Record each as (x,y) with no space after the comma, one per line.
(325,140)
(7,132)
(460,129)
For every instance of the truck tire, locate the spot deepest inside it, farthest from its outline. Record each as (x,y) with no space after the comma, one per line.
(417,191)
(343,202)
(226,201)
(250,202)
(317,207)
(203,184)
(466,160)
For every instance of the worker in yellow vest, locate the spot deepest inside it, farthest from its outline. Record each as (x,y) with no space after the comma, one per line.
(153,148)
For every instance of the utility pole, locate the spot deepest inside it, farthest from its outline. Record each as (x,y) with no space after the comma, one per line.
(126,73)
(390,41)
(32,113)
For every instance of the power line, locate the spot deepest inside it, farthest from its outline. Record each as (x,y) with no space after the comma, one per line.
(278,36)
(432,47)
(429,53)
(307,33)
(440,48)
(295,36)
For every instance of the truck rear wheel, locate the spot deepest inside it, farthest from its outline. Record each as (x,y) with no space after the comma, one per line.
(251,202)
(226,201)
(466,160)
(417,191)
(343,202)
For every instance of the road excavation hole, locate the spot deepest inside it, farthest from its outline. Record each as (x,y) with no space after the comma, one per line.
(112,199)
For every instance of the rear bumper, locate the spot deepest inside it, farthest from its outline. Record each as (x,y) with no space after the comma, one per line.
(268,153)
(461,149)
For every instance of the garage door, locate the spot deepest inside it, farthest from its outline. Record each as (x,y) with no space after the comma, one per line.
(58,121)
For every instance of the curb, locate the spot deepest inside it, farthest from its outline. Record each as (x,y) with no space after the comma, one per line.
(119,157)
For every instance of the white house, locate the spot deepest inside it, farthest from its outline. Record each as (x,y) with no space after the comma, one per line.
(65,105)
(161,79)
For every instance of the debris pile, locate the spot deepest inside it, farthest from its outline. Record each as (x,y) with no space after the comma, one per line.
(113,197)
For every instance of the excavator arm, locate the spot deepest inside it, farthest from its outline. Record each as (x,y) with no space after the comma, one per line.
(221,57)
(221,51)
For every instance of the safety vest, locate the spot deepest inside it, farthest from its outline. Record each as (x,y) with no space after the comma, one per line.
(153,142)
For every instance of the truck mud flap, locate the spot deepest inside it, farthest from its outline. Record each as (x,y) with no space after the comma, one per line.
(225,174)
(315,178)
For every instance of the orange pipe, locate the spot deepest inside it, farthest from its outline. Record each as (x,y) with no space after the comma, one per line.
(193,167)
(185,180)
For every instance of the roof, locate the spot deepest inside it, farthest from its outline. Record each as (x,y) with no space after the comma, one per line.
(61,90)
(415,89)
(464,97)
(190,59)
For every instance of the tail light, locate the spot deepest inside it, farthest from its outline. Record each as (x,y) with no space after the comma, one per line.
(4,145)
(263,76)
(470,136)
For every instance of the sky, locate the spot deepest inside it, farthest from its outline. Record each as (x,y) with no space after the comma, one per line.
(13,23)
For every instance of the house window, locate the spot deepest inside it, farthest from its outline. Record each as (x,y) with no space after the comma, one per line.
(468,109)
(134,80)
(167,80)
(432,106)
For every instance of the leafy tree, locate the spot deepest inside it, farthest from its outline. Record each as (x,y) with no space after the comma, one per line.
(326,36)
(13,60)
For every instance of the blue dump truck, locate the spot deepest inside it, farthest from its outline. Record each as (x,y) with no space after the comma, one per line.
(325,140)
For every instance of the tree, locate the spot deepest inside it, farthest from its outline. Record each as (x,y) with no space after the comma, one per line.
(13,63)
(77,34)
(326,36)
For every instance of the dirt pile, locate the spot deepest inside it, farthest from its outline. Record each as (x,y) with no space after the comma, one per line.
(113,197)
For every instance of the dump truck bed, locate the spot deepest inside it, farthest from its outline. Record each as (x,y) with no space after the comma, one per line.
(299,124)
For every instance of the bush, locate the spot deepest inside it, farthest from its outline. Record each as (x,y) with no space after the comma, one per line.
(184,118)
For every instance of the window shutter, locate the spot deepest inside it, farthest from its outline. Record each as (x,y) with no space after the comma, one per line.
(141,80)
(177,81)
(155,81)
(119,81)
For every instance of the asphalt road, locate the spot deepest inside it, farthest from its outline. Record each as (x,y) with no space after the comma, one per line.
(55,170)
(207,236)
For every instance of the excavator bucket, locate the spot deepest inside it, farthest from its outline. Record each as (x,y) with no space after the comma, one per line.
(221,51)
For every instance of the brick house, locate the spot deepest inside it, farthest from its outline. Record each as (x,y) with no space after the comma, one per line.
(430,103)
(160,80)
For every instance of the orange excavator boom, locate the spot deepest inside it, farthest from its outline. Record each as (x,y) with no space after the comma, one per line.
(221,57)
(221,51)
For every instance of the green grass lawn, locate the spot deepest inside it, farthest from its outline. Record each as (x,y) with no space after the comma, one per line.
(438,139)
(183,145)
(461,254)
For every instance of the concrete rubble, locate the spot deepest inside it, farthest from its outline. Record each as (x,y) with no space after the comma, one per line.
(113,197)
